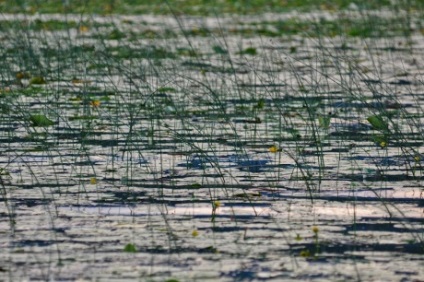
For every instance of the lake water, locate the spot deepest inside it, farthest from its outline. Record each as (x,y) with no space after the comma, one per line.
(231,149)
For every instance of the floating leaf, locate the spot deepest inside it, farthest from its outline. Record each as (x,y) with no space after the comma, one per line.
(324,121)
(298,237)
(219,50)
(260,104)
(196,186)
(209,249)
(20,75)
(116,35)
(377,122)
(249,51)
(37,80)
(305,253)
(130,248)
(40,120)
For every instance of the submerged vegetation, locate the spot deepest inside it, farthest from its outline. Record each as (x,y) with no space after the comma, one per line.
(268,140)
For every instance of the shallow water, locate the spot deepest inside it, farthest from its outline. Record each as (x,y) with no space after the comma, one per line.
(182,143)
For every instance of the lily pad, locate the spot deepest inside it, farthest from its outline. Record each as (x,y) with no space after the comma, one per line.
(324,122)
(37,80)
(378,122)
(40,120)
(130,248)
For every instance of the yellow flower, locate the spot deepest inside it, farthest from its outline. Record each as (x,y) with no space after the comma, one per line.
(383,144)
(95,103)
(274,149)
(417,158)
(93,180)
(195,233)
(315,229)
(216,204)
(83,28)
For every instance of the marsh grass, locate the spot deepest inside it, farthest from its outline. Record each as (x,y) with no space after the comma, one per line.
(247,118)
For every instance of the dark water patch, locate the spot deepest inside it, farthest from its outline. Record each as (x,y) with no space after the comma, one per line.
(16,139)
(254,204)
(129,196)
(236,143)
(103,143)
(401,82)
(408,144)
(338,150)
(356,199)
(316,249)
(213,68)
(405,219)
(43,185)
(380,227)
(33,243)
(149,184)
(249,121)
(31,202)
(147,200)
(86,163)
(372,105)
(382,177)
(372,81)
(9,128)
(252,165)
(241,274)
(265,85)
(350,135)
(355,127)
(199,162)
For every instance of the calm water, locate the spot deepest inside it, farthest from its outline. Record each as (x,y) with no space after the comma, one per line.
(219,155)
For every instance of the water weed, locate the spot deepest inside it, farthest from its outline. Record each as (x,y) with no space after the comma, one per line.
(242,146)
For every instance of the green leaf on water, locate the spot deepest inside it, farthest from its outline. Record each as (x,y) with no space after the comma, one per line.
(377,122)
(130,248)
(260,105)
(249,51)
(40,120)
(196,186)
(324,121)
(37,80)
(219,50)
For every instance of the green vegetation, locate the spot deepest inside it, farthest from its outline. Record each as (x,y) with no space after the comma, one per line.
(239,146)
(194,7)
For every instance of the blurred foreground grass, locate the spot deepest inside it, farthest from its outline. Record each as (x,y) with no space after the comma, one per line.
(194,7)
